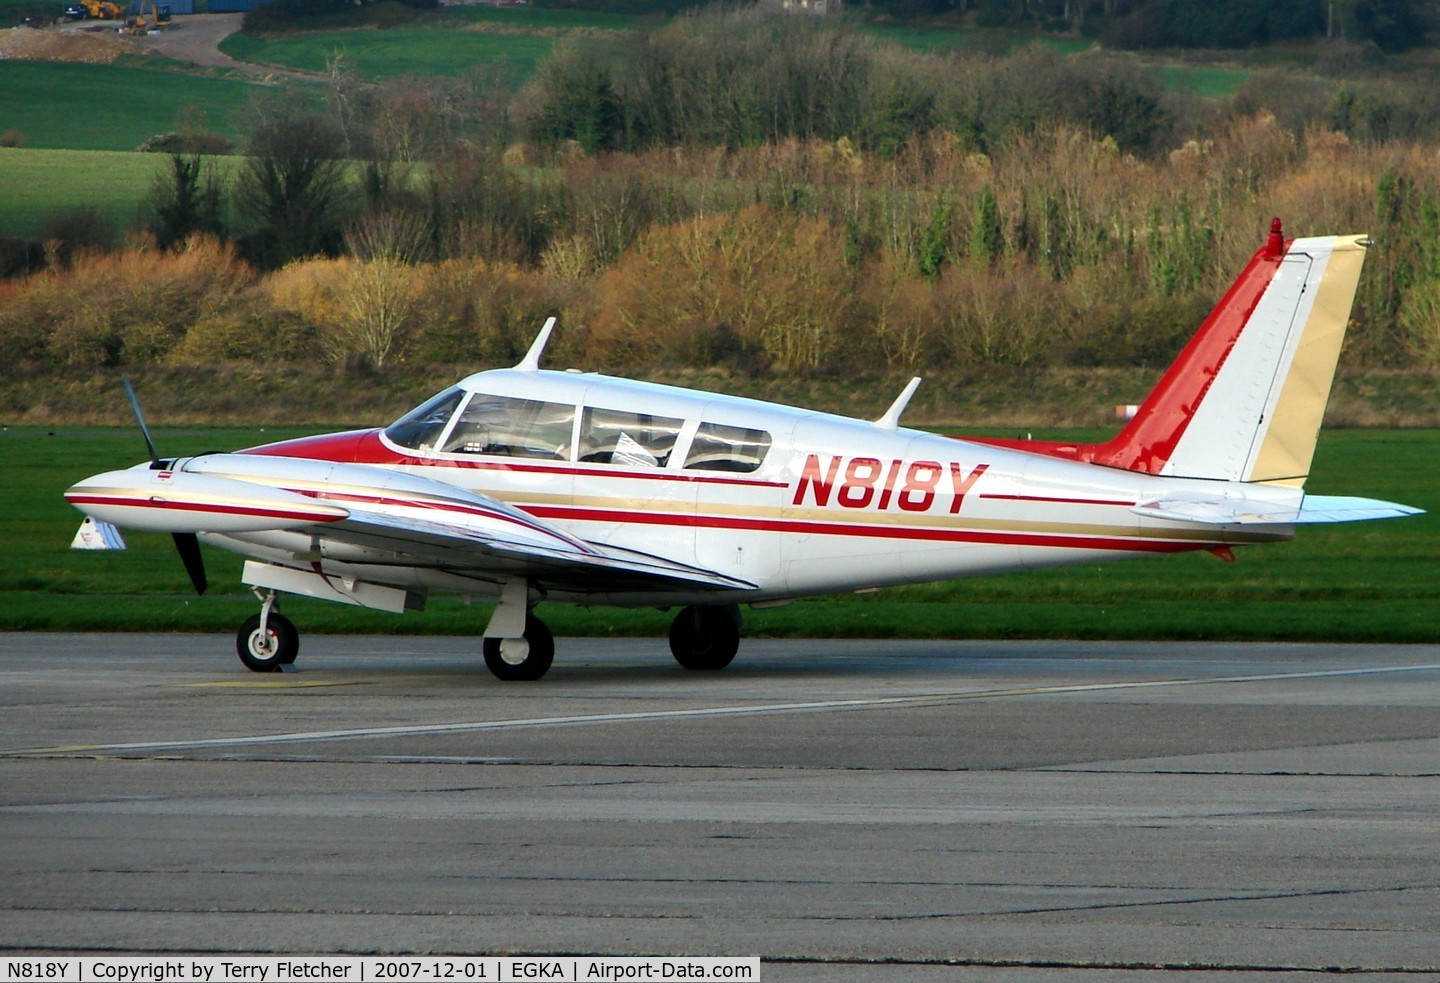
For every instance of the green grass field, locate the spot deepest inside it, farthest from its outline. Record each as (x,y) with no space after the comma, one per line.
(1206,81)
(995,41)
(533,18)
(1368,582)
(379,55)
(42,184)
(112,107)
(451,43)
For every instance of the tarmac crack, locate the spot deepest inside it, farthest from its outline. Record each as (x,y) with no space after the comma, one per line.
(1165,902)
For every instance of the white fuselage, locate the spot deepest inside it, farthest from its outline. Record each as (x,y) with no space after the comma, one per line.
(835,505)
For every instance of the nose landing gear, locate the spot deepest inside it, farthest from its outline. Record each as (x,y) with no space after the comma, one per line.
(268,641)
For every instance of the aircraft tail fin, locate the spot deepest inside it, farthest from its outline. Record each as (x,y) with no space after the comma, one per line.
(1245,399)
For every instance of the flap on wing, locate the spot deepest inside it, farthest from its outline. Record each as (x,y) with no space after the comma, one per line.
(481,552)
(1313,509)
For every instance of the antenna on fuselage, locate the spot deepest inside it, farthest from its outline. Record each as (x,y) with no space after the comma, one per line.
(891,419)
(531,361)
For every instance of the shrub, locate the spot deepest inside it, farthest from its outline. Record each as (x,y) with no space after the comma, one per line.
(1008,315)
(729,288)
(901,312)
(131,306)
(480,313)
(84,228)
(176,143)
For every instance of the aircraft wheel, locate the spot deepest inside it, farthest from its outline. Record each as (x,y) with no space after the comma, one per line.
(705,637)
(521,659)
(277,647)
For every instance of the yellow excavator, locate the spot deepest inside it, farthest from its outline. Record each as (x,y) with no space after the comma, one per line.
(148,16)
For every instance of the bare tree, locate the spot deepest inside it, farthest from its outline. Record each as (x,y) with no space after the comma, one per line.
(382,293)
(291,189)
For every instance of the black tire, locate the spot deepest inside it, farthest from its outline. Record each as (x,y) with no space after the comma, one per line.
(705,638)
(279,648)
(536,661)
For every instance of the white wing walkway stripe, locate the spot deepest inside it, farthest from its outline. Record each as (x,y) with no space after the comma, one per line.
(416,730)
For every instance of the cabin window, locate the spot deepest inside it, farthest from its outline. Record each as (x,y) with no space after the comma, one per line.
(512,427)
(717,447)
(421,427)
(622,437)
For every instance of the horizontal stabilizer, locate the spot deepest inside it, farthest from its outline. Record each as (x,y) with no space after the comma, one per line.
(1313,509)
(1340,508)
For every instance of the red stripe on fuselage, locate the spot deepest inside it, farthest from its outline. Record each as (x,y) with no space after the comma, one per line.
(912,533)
(171,504)
(1058,501)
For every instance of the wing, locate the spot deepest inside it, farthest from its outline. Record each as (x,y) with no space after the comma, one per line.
(562,562)
(369,516)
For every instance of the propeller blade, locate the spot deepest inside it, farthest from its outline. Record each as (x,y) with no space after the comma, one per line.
(188,546)
(144,430)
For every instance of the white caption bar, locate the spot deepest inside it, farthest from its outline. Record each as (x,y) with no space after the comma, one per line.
(389,969)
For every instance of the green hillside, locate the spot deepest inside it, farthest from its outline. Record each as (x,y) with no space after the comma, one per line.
(386,54)
(447,44)
(42,184)
(112,107)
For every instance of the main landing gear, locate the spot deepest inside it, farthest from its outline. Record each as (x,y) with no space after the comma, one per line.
(521,659)
(705,637)
(701,637)
(268,641)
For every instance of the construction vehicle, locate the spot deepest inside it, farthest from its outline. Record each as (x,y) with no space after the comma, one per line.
(148,16)
(94,10)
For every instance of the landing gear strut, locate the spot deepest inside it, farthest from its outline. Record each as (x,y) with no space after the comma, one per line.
(521,659)
(267,641)
(705,637)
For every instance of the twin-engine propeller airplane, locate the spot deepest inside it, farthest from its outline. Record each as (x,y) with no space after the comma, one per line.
(528,485)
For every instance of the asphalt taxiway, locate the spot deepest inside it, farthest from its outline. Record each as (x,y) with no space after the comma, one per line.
(846,810)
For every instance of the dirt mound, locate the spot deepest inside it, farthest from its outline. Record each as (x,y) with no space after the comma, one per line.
(98,46)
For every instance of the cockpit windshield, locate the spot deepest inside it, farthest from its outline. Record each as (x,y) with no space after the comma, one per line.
(513,427)
(461,422)
(423,426)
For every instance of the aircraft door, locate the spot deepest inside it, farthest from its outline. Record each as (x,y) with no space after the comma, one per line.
(739,489)
(629,492)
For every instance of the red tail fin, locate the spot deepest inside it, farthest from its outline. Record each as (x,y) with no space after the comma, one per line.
(1149,439)
(1245,398)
